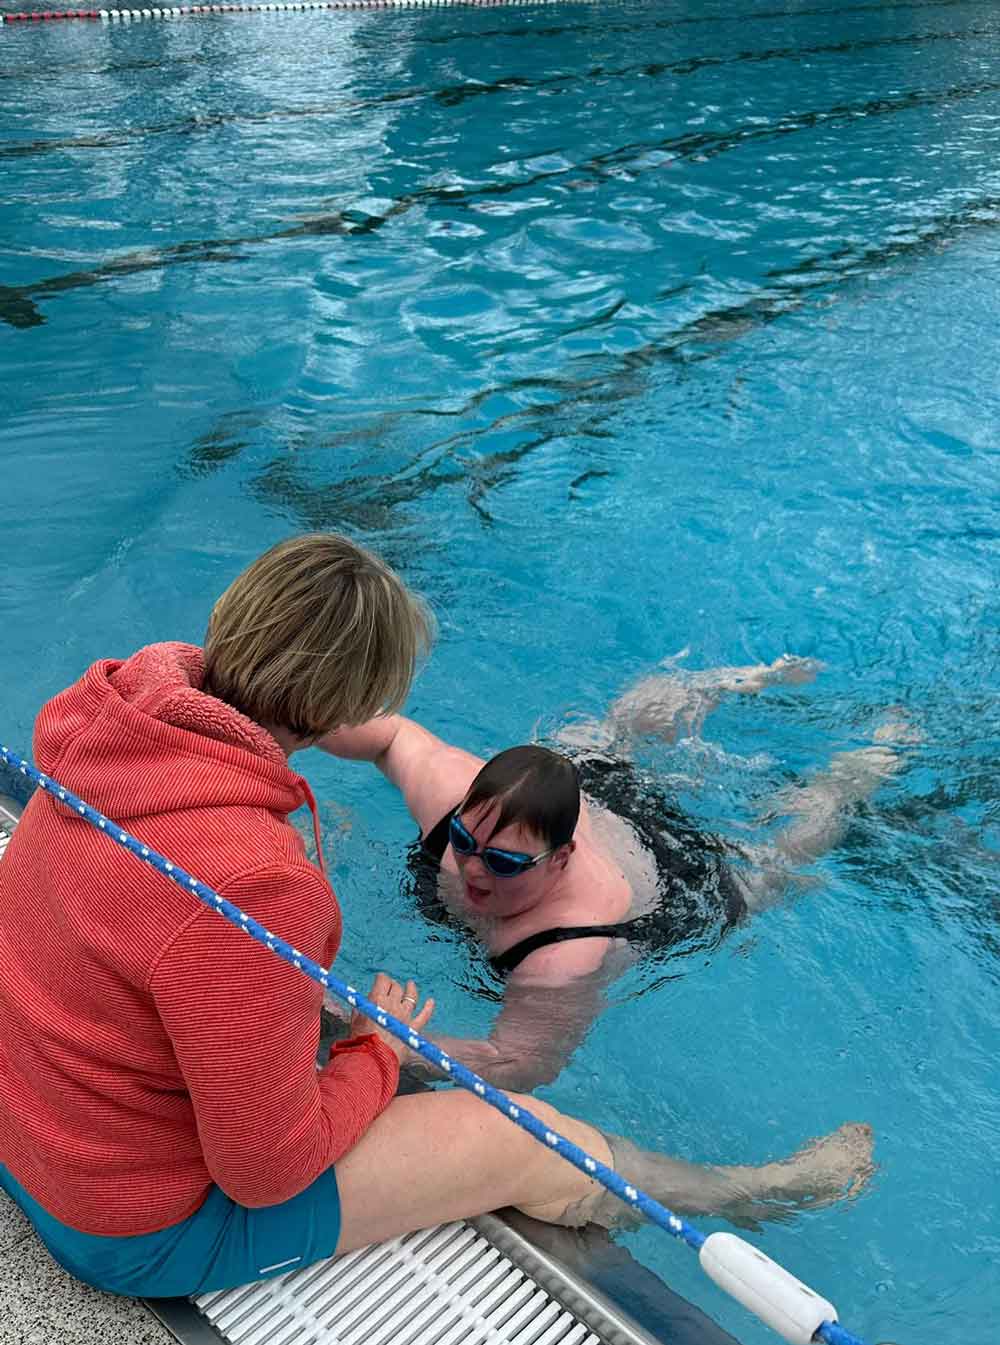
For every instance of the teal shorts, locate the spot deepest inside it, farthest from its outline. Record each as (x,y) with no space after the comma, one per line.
(220,1246)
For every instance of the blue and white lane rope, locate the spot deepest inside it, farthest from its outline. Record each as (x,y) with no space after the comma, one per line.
(829,1331)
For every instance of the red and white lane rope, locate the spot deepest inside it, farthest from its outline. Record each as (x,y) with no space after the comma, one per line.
(183,11)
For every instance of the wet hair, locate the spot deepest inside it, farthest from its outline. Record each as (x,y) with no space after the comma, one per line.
(316,633)
(533,786)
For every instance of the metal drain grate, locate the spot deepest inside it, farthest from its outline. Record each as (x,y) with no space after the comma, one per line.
(479,1282)
(446,1286)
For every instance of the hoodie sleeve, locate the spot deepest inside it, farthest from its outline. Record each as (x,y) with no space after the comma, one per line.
(244,1027)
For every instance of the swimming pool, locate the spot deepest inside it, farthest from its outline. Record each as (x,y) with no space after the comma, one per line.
(620,331)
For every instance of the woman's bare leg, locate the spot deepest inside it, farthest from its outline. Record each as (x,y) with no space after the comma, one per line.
(434,1157)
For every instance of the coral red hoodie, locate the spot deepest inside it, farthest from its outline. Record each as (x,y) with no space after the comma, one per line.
(148,1048)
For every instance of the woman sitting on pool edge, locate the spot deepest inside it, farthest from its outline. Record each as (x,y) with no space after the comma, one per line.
(564,867)
(162,1121)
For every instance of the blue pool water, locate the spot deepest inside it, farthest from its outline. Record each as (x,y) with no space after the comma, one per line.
(620,330)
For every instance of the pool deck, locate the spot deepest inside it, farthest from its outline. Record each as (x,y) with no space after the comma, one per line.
(41,1305)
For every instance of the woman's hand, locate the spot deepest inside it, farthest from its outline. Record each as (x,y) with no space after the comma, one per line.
(391,996)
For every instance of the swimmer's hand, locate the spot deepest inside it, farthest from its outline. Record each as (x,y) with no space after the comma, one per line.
(401,1003)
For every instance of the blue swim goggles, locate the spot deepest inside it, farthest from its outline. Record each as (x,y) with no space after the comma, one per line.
(501,863)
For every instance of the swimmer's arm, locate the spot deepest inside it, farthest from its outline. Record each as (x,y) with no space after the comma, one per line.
(431,775)
(363,742)
(545,1016)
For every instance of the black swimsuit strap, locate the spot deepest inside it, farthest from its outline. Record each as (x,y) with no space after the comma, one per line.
(514,956)
(435,843)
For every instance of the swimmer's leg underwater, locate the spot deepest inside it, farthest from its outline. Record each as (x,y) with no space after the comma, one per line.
(672,704)
(819,810)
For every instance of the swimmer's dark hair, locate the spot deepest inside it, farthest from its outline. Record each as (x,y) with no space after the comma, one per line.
(534,786)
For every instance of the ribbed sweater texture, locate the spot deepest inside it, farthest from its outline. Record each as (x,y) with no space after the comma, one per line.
(147,1048)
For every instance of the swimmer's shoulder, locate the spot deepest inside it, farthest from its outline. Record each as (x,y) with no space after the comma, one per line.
(560,964)
(620,873)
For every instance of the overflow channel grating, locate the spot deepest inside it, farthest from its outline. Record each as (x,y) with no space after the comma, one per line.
(465,1283)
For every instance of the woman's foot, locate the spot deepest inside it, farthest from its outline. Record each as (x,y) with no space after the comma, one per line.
(835,1167)
(668,705)
(858,773)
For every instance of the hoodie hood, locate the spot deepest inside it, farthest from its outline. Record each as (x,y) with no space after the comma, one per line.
(139,737)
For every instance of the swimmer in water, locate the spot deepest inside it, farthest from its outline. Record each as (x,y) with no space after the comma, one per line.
(564,863)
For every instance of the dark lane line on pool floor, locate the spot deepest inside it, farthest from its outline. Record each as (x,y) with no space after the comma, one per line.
(418,39)
(19,309)
(585,399)
(600,393)
(454,95)
(198,123)
(370,502)
(603,25)
(693,64)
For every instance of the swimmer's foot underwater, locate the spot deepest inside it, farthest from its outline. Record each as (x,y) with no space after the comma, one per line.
(836,1166)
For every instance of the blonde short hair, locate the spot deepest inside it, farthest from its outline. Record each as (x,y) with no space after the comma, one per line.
(316,633)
